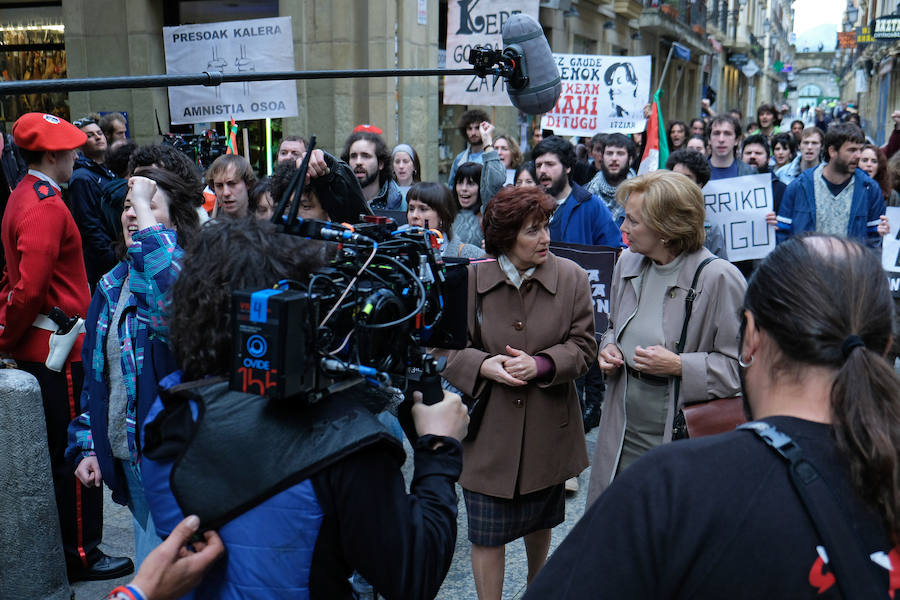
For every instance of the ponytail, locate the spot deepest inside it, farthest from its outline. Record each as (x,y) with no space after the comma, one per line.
(865,406)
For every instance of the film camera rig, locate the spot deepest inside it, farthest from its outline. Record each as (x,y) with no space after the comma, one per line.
(365,317)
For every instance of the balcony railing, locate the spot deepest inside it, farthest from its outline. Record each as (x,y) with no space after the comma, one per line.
(693,14)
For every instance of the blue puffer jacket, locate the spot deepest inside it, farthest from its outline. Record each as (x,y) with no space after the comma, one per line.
(584,219)
(797,212)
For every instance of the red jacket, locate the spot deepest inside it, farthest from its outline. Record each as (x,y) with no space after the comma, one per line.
(44,268)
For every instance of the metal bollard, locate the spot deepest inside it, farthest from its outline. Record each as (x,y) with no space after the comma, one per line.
(32,563)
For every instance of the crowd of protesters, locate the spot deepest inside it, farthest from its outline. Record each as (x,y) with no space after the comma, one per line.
(122,235)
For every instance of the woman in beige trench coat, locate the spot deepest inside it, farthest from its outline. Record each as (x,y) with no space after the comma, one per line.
(664,224)
(531,324)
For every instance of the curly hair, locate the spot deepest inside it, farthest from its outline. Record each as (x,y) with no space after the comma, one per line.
(381,152)
(170,159)
(509,211)
(228,255)
(695,162)
(561,147)
(475,115)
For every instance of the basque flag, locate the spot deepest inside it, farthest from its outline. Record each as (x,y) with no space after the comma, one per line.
(656,150)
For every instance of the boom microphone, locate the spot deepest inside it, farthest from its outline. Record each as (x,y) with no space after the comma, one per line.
(527,48)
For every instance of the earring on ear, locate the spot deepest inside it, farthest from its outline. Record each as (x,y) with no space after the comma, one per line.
(743,363)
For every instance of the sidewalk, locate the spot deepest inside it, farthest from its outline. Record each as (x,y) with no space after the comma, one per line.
(118,540)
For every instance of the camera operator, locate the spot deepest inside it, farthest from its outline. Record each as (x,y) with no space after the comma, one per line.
(306,534)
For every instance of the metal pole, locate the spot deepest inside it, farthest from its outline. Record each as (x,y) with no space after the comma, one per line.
(659,83)
(207,78)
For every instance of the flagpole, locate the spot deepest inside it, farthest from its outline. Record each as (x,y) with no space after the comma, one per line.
(665,68)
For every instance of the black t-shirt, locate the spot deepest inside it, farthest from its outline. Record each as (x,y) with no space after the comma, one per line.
(713,518)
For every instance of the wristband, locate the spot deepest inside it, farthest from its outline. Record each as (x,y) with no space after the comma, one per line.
(127,592)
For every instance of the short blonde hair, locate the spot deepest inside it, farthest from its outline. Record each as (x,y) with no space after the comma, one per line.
(673,207)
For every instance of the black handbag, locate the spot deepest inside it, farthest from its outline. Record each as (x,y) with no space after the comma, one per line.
(704,417)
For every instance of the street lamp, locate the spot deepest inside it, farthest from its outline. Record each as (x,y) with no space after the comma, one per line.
(852,14)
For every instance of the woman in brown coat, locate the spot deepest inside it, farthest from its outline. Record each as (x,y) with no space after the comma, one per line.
(531,335)
(664,216)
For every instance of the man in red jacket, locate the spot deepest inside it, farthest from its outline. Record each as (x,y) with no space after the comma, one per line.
(45,269)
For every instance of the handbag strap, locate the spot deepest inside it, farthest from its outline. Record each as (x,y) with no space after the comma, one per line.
(688,308)
(848,562)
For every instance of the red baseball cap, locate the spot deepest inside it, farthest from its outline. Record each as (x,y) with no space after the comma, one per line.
(366,127)
(40,131)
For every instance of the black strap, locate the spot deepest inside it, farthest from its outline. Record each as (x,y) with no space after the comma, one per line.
(848,562)
(688,308)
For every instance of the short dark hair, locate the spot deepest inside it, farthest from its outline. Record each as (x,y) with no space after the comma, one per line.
(165,157)
(227,255)
(475,115)
(839,134)
(757,138)
(508,211)
(694,161)
(802,124)
(439,198)
(117,158)
(725,118)
(630,75)
(702,122)
(618,140)
(769,108)
(381,152)
(528,165)
(787,140)
(468,171)
(599,139)
(561,147)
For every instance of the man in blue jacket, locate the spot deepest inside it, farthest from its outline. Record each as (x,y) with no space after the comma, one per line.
(835,197)
(580,217)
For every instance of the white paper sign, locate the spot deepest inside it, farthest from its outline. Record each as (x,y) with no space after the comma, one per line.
(738,207)
(890,250)
(600,94)
(472,23)
(231,47)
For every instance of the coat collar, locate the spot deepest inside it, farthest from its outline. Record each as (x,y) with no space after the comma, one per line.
(491,275)
(633,265)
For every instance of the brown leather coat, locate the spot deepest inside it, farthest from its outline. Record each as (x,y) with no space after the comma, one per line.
(531,437)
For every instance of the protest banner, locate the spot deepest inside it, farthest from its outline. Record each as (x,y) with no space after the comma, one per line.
(473,23)
(890,250)
(603,94)
(599,262)
(738,207)
(231,47)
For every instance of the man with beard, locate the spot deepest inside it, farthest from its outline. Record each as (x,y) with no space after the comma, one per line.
(470,128)
(580,217)
(370,160)
(835,197)
(84,198)
(755,152)
(618,152)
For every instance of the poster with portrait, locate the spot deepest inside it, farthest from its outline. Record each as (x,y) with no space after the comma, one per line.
(473,23)
(600,94)
(231,47)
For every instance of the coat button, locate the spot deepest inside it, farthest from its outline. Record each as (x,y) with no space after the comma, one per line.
(518,325)
(518,402)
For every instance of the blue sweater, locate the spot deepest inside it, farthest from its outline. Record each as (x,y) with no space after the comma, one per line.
(584,219)
(797,212)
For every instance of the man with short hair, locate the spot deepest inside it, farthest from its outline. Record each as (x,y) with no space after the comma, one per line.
(114,127)
(85,200)
(810,155)
(370,159)
(585,170)
(581,217)
(291,148)
(470,128)
(836,197)
(231,178)
(755,152)
(45,269)
(615,167)
(724,136)
(767,117)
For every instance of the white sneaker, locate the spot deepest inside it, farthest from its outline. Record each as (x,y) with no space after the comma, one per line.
(572,484)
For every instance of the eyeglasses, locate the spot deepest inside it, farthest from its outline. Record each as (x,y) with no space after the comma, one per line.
(84,122)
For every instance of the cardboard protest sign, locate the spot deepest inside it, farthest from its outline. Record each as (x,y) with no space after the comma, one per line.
(231,47)
(473,23)
(603,94)
(890,250)
(738,207)
(599,262)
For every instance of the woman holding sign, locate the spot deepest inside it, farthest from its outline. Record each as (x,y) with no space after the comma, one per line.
(664,217)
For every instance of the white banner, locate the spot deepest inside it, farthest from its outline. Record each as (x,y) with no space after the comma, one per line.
(473,23)
(890,250)
(738,207)
(600,94)
(231,47)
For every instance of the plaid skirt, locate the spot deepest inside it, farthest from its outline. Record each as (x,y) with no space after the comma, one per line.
(497,521)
